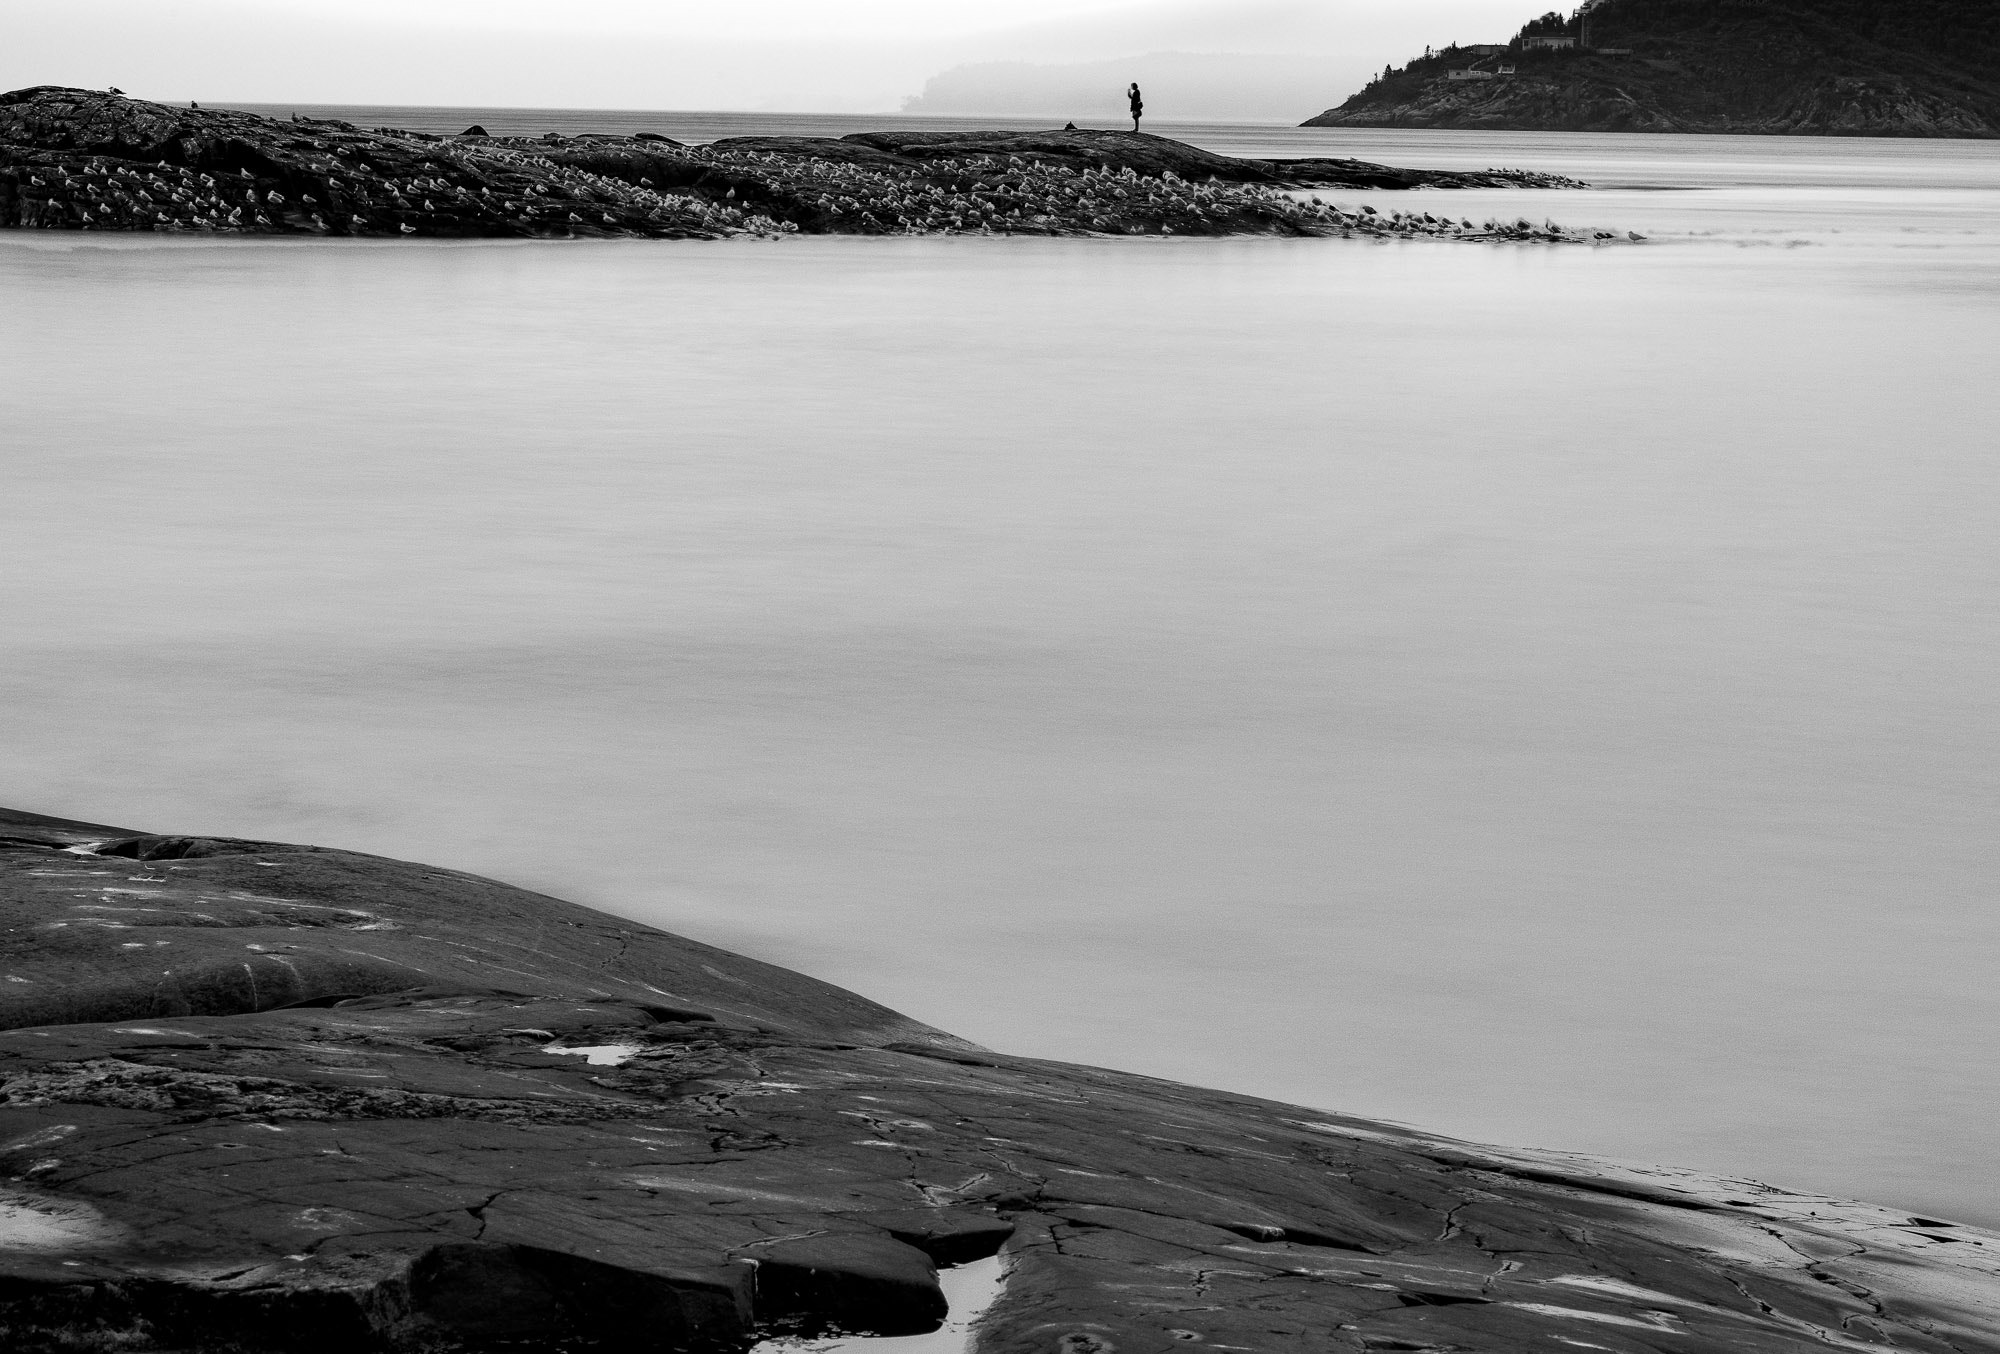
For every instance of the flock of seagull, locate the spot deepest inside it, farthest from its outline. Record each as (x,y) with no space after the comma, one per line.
(337,198)
(1012,194)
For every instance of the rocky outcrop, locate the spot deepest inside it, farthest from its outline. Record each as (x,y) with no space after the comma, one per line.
(1911,68)
(73,160)
(1156,157)
(259,1097)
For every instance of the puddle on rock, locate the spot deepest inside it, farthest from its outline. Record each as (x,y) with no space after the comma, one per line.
(599,1055)
(31,1222)
(968,1291)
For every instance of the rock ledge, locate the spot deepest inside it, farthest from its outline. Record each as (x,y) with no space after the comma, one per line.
(260,1097)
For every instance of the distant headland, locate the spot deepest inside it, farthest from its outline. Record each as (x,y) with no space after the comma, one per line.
(294,1100)
(83,160)
(1908,68)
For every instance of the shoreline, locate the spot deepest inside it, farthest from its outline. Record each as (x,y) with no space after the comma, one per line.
(77,160)
(297,1098)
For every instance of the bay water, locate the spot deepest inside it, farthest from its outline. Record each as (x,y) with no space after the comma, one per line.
(1546,695)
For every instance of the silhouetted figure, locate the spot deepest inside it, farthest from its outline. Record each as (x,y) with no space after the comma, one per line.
(1138,103)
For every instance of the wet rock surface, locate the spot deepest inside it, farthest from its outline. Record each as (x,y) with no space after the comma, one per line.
(78,160)
(257,1097)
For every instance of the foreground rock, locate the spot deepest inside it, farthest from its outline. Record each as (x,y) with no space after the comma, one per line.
(75,160)
(257,1097)
(1910,68)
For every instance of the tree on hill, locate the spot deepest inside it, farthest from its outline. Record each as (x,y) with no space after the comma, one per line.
(1964,33)
(1550,25)
(1841,67)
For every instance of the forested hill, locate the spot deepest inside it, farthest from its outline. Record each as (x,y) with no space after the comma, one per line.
(1826,67)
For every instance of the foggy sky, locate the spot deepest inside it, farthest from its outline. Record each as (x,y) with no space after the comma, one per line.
(794,55)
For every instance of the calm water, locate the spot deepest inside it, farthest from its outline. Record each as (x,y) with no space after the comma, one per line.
(1544,695)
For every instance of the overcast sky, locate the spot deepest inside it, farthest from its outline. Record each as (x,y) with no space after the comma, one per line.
(794,55)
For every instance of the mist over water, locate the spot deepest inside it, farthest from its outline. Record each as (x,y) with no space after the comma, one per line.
(1545,695)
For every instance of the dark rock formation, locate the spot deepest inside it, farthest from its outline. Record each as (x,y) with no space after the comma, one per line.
(1928,68)
(1155,157)
(75,160)
(258,1097)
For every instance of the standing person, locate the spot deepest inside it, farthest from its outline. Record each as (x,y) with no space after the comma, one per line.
(1138,103)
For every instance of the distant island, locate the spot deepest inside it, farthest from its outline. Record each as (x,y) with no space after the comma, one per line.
(74,159)
(1911,68)
(262,1098)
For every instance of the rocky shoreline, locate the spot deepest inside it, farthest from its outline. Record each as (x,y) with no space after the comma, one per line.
(257,1097)
(79,160)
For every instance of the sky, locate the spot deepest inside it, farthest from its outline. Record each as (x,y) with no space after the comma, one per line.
(779,55)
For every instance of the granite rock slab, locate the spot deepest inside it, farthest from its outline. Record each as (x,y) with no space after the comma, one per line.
(276,1098)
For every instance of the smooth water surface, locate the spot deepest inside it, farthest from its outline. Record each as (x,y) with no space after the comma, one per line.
(1544,694)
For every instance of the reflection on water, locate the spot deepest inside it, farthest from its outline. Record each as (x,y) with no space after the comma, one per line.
(1544,694)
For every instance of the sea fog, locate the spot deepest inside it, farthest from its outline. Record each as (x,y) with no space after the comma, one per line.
(1541,694)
